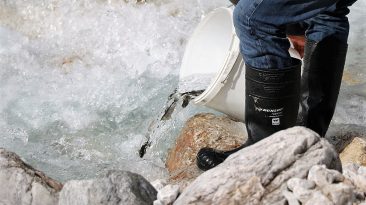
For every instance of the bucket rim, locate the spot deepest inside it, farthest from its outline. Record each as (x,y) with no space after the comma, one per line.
(233,53)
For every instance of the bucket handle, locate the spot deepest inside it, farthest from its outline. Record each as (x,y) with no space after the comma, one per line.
(232,60)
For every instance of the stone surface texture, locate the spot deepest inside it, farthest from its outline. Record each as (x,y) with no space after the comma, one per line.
(322,176)
(301,188)
(342,135)
(258,173)
(355,152)
(159,184)
(356,175)
(331,187)
(22,184)
(117,187)
(167,195)
(202,130)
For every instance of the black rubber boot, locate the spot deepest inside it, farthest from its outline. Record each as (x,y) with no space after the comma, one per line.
(322,75)
(272,102)
(208,158)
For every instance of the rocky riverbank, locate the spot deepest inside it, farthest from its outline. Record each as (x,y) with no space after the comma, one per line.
(294,166)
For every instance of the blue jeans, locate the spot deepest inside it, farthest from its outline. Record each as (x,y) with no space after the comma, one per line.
(260,26)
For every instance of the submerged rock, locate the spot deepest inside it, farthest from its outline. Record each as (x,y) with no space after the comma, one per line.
(258,173)
(117,187)
(202,130)
(22,184)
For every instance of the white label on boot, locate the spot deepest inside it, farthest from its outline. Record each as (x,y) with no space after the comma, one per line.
(276,121)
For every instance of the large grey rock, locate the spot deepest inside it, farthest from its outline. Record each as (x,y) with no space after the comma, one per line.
(117,187)
(258,174)
(22,184)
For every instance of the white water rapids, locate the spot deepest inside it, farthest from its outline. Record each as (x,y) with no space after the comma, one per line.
(81,81)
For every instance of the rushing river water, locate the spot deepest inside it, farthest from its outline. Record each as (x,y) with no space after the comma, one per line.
(83,83)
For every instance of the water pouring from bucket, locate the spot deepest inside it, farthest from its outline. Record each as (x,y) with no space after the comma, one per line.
(212,72)
(212,62)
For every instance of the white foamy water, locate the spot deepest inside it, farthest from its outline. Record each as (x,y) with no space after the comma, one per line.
(82,81)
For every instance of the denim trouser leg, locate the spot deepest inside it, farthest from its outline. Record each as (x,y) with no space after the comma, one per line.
(260,25)
(331,22)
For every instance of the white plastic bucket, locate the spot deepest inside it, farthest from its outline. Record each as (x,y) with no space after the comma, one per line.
(214,49)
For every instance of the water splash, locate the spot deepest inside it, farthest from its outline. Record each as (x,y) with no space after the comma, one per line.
(81,81)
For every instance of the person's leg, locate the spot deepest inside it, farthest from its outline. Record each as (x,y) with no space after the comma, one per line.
(272,76)
(325,54)
(260,25)
(331,22)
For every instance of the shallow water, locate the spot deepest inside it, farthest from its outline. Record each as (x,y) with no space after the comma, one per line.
(83,84)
